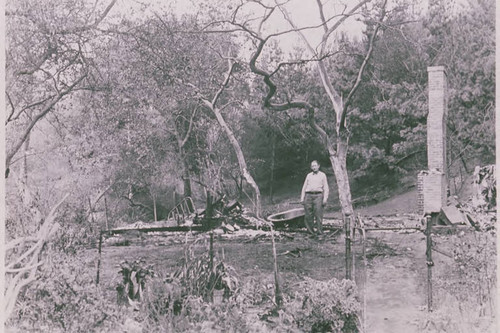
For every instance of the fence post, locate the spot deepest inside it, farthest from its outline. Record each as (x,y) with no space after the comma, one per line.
(348,258)
(277,291)
(106,212)
(212,270)
(428,233)
(365,276)
(99,258)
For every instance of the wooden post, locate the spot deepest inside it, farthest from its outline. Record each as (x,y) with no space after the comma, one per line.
(91,211)
(106,212)
(211,266)
(99,259)
(277,295)
(209,207)
(365,266)
(430,263)
(211,252)
(348,257)
(154,208)
(273,157)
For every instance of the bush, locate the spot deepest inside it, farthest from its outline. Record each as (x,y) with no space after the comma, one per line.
(323,306)
(64,299)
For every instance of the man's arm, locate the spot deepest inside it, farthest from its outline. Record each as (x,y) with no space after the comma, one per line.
(326,189)
(303,193)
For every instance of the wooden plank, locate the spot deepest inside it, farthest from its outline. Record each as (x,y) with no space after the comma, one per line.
(451,215)
(172,229)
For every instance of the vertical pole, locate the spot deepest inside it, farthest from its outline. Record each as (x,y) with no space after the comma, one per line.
(353,250)
(209,208)
(273,157)
(277,296)
(430,263)
(348,258)
(211,266)
(91,211)
(99,258)
(154,208)
(365,265)
(106,212)
(211,251)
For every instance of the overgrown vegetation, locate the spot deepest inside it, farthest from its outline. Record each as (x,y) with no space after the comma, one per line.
(465,284)
(118,111)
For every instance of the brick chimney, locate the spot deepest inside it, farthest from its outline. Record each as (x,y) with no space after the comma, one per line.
(432,183)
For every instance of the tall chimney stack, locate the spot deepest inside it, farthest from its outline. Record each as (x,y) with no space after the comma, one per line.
(436,119)
(432,183)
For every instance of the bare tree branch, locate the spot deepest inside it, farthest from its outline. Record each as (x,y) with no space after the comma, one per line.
(23,269)
(13,243)
(38,65)
(32,105)
(135,204)
(339,22)
(20,280)
(231,65)
(38,117)
(362,68)
(190,127)
(331,92)
(11,106)
(93,25)
(300,62)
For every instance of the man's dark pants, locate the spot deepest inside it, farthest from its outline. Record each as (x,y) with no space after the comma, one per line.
(313,206)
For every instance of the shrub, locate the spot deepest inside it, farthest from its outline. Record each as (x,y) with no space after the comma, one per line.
(323,306)
(64,299)
(134,276)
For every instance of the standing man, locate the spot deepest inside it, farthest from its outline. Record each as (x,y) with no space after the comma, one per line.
(314,196)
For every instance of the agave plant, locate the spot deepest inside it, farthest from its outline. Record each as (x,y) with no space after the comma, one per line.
(134,276)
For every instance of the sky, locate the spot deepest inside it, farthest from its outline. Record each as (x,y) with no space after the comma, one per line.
(303,13)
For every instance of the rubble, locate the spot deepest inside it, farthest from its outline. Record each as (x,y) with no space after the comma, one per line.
(484,187)
(479,210)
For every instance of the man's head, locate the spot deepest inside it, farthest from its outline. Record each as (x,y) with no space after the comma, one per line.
(314,166)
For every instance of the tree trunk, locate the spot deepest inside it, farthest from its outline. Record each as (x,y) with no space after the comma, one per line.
(338,158)
(154,207)
(241,159)
(29,198)
(186,176)
(273,162)
(24,167)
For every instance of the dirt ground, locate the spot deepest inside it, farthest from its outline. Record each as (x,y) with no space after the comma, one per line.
(391,276)
(390,280)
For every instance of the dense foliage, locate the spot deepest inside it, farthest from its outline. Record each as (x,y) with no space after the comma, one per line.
(111,108)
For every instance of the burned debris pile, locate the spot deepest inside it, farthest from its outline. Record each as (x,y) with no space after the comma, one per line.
(479,210)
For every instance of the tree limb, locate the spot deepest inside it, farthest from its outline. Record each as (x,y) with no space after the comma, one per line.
(43,233)
(231,65)
(361,69)
(190,127)
(13,243)
(134,204)
(12,107)
(38,117)
(339,22)
(31,106)
(38,65)
(331,92)
(22,269)
(96,200)
(93,25)
(404,158)
(20,280)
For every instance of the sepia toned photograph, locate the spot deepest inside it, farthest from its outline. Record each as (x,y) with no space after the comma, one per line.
(249,166)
